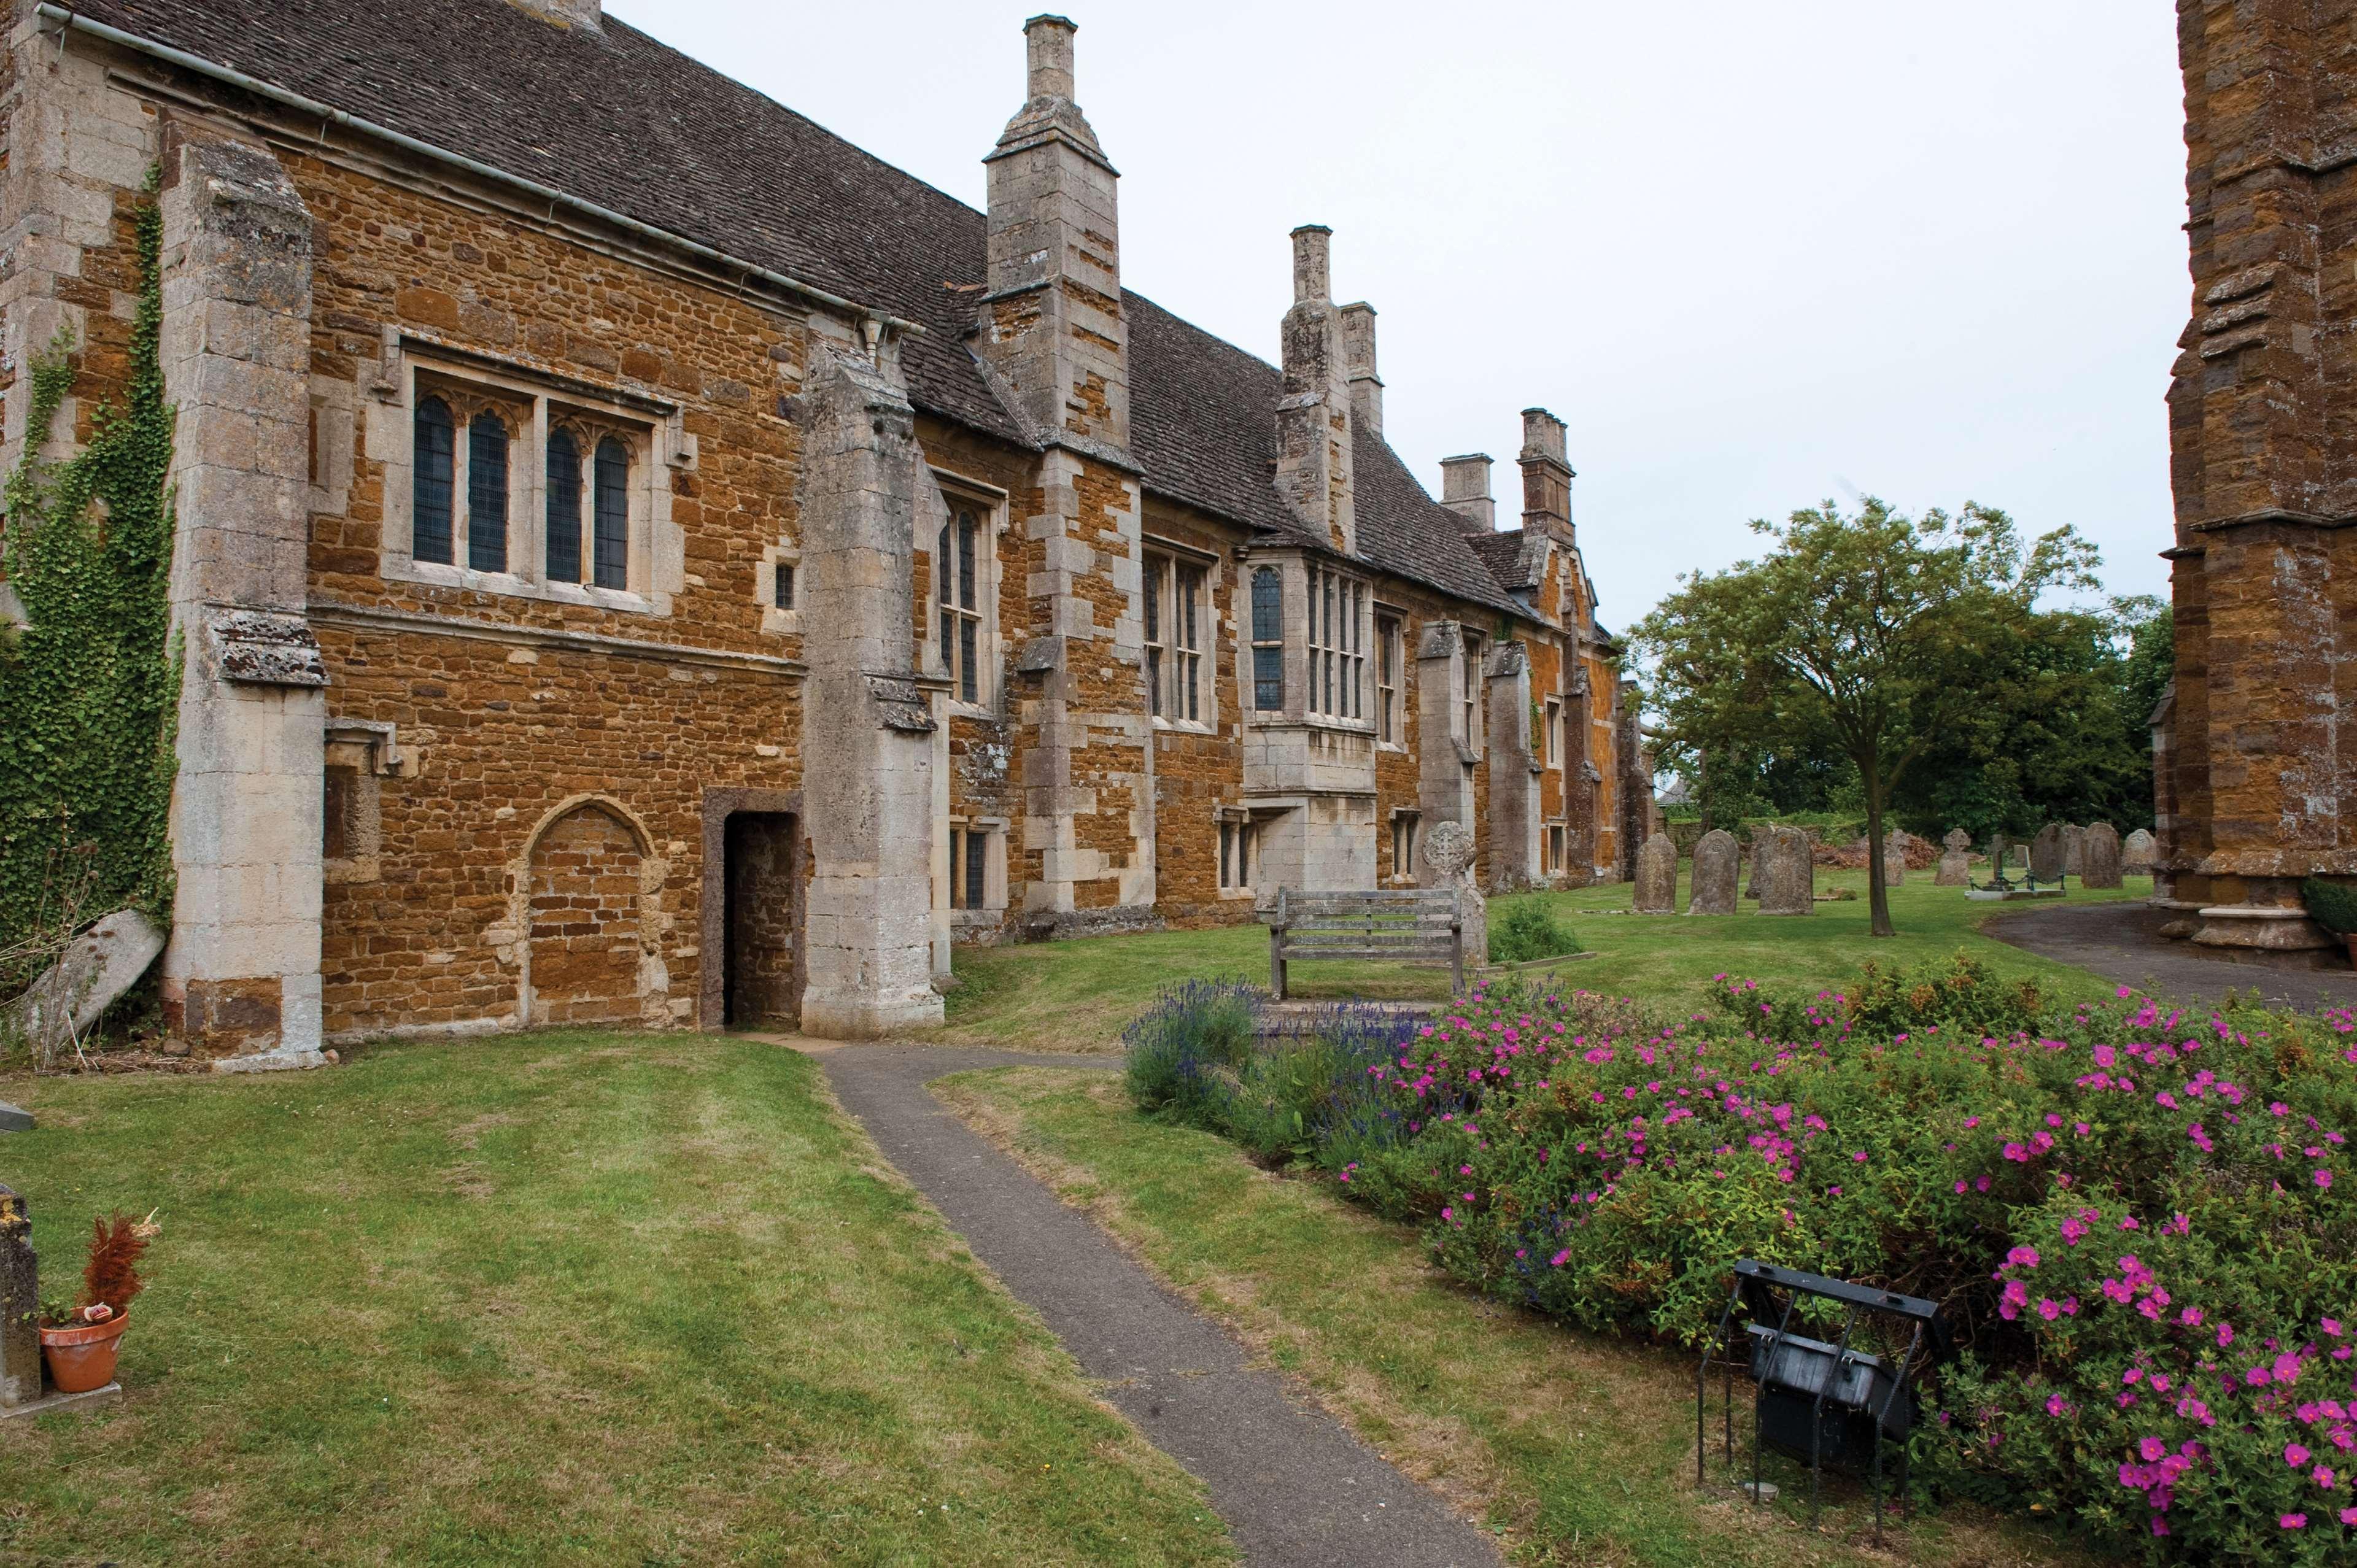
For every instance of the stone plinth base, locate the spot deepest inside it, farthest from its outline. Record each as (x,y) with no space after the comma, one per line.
(52,1404)
(272,1061)
(867,1018)
(2262,927)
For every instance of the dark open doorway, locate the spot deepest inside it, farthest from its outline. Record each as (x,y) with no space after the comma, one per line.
(758,922)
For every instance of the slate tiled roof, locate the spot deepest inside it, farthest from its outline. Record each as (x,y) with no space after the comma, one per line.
(617,119)
(1516,567)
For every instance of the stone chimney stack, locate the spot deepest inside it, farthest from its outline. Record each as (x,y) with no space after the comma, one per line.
(1313,417)
(1359,366)
(1547,474)
(589,14)
(1052,316)
(1464,490)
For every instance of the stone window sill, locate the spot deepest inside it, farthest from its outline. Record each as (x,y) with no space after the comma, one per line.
(1185,726)
(515,585)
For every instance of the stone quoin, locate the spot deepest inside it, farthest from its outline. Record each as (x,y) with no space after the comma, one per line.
(667,591)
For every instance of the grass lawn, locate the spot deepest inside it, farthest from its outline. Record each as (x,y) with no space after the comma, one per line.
(558,1297)
(1077,995)
(1579,1447)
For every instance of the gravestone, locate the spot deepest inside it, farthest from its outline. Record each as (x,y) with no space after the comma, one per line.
(1788,874)
(14,1118)
(1894,858)
(1448,850)
(1715,867)
(2046,853)
(98,966)
(1657,877)
(1955,860)
(2074,841)
(2099,857)
(2140,853)
(20,1295)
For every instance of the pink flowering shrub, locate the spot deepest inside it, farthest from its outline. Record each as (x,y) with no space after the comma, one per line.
(2141,1223)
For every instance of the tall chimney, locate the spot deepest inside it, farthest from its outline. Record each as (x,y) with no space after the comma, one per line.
(1052,313)
(1464,490)
(1359,365)
(1313,417)
(1547,474)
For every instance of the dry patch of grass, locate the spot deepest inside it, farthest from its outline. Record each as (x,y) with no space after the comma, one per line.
(563,1298)
(1578,1446)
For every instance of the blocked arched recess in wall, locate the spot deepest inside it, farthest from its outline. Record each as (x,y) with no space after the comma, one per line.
(585,923)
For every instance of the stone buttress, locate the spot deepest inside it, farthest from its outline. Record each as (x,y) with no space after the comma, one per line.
(242,973)
(870,720)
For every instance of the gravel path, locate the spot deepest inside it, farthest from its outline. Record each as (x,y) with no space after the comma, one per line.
(2122,942)
(1294,1487)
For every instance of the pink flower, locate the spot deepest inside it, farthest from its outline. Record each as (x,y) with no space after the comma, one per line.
(2295,1454)
(2323,1178)
(2225,1334)
(2046,1308)
(2152,1448)
(2332,1326)
(1560,1259)
(2294,1521)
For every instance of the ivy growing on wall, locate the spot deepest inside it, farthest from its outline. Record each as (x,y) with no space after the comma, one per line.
(88,687)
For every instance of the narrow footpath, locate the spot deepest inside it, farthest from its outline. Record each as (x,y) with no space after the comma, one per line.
(1295,1487)
(2122,942)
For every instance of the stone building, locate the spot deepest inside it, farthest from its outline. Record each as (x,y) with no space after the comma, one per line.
(642,560)
(2253,788)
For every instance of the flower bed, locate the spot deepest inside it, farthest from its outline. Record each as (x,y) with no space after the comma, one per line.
(2141,1223)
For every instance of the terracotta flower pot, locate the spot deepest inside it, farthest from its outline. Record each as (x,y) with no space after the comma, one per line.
(83,1357)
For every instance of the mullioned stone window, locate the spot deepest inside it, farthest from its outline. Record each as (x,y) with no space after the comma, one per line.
(1390,665)
(964,587)
(502,481)
(1338,647)
(1178,607)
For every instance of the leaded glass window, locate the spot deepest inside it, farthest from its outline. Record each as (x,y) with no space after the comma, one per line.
(433,449)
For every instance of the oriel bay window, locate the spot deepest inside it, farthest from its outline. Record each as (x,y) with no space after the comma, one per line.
(1267,640)
(1337,652)
(1175,609)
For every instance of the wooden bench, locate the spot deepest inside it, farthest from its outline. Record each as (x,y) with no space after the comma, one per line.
(1408,924)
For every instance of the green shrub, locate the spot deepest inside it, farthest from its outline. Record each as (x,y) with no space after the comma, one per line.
(1529,931)
(2330,905)
(2143,1226)
(1191,1030)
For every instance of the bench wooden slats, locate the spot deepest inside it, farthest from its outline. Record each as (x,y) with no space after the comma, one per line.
(1385,924)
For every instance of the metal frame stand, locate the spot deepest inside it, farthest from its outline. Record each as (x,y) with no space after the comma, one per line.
(1755,1292)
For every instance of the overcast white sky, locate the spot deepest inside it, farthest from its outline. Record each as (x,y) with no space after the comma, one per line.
(1754,255)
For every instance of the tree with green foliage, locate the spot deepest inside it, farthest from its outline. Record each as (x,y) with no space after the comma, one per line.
(1874,633)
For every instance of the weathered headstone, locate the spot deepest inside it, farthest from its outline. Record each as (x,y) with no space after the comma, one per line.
(2046,853)
(14,1118)
(20,1296)
(2099,857)
(2074,840)
(2140,853)
(1448,850)
(1955,860)
(1715,867)
(1657,877)
(1788,874)
(1894,858)
(98,966)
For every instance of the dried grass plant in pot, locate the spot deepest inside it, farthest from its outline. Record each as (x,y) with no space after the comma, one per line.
(81,1343)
